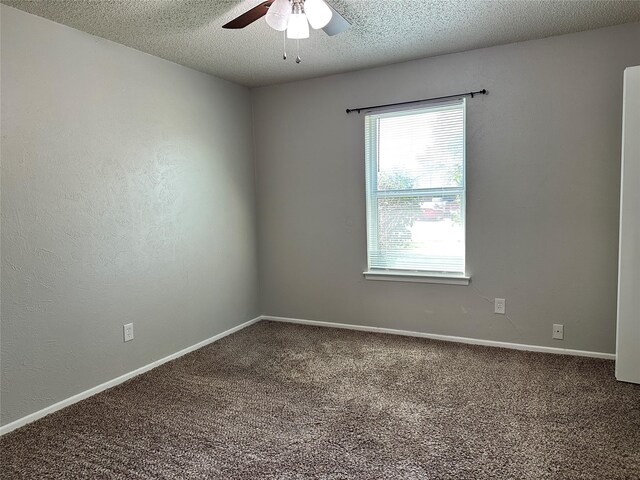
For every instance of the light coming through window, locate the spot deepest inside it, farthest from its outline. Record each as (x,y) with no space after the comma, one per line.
(415,174)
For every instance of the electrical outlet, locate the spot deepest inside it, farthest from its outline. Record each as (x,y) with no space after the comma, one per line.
(500,306)
(558,331)
(128,332)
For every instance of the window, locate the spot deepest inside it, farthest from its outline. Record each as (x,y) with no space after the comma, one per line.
(415,174)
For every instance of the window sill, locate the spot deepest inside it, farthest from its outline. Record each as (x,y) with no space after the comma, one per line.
(417,277)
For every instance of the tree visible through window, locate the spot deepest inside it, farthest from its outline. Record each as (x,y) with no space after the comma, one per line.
(415,170)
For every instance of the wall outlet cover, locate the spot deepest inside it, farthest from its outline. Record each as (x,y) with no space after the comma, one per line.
(500,306)
(558,331)
(128,332)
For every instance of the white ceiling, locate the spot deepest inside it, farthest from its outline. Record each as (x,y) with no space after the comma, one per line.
(383,31)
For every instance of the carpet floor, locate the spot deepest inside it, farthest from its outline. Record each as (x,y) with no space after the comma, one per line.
(289,401)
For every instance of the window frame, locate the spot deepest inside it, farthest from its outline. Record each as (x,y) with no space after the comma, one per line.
(373,195)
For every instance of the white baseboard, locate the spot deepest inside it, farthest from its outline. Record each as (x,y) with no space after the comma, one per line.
(122,378)
(447,338)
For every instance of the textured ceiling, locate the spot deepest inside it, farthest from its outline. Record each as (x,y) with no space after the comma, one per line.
(383,31)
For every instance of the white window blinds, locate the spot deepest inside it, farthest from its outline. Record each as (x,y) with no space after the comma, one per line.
(415,174)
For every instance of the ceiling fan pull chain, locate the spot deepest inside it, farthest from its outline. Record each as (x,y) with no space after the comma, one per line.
(298,59)
(284,44)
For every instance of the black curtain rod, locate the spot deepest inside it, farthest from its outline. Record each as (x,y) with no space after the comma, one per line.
(469,94)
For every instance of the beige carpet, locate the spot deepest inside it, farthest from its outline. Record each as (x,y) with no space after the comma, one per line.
(289,401)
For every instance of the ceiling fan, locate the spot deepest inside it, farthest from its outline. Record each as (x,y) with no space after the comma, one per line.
(294,18)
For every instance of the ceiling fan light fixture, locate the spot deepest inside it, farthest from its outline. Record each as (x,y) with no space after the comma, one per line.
(318,13)
(278,15)
(298,26)
(292,17)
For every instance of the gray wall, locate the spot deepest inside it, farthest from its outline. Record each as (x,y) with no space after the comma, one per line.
(543,152)
(127,196)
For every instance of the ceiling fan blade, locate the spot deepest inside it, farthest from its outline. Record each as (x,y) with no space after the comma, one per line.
(250,16)
(337,24)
